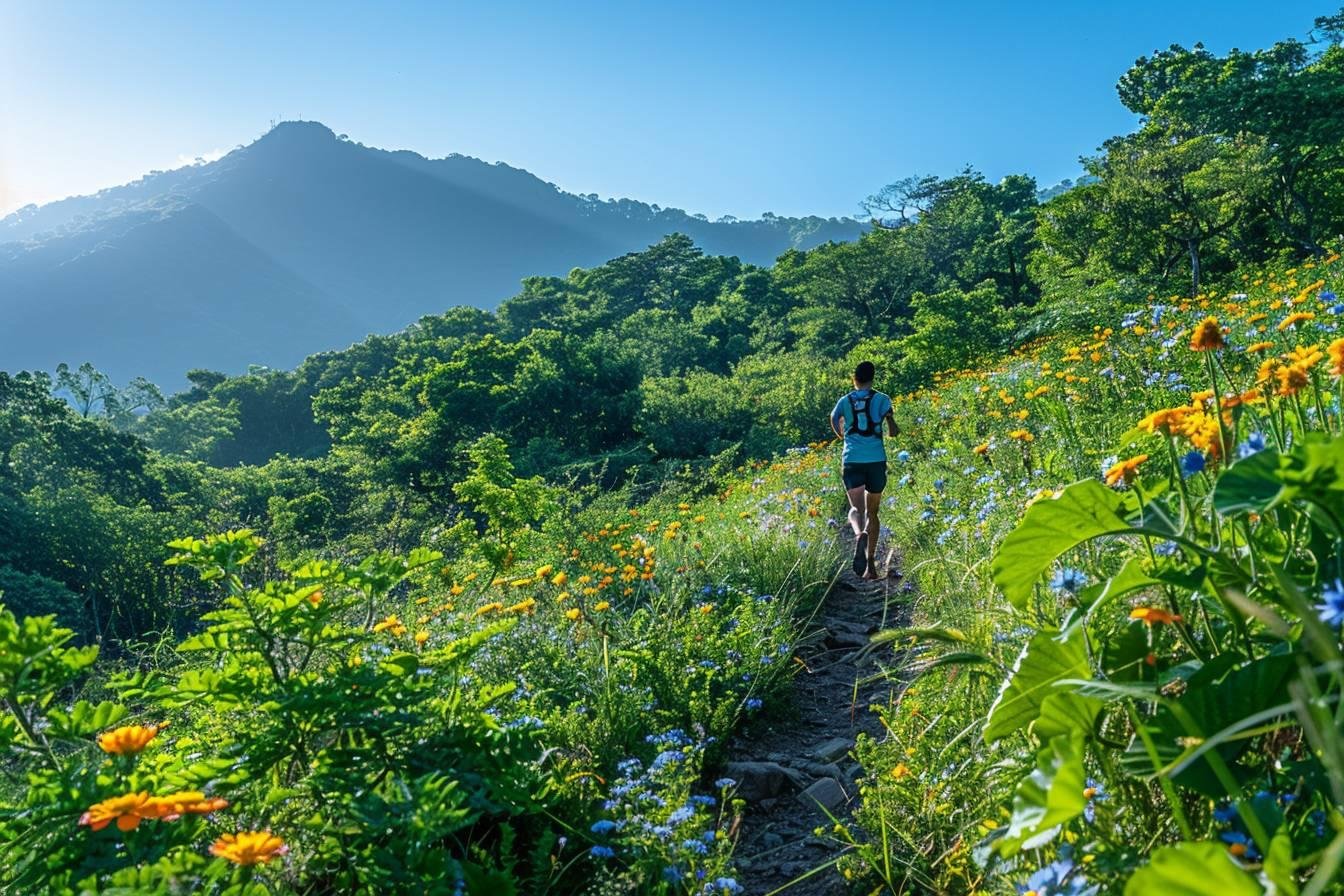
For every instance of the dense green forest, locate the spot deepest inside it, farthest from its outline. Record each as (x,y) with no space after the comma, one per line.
(471,565)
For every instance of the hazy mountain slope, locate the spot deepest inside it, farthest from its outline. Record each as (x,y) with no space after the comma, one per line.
(209,303)
(315,242)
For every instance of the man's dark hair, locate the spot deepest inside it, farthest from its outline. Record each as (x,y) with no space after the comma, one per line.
(865,372)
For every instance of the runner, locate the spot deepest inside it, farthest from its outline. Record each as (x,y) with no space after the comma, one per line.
(864,461)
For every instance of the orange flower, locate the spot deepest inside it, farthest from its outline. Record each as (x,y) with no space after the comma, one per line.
(983,448)
(1258,347)
(129,738)
(1154,615)
(127,811)
(249,847)
(1021,435)
(188,802)
(1125,470)
(1208,336)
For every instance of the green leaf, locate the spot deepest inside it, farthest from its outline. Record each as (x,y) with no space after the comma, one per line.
(1278,867)
(1044,661)
(84,718)
(1192,869)
(400,664)
(1250,484)
(1051,795)
(1083,511)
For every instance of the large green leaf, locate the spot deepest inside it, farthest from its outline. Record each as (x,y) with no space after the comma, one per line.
(1066,713)
(1192,869)
(1083,511)
(1250,484)
(1214,699)
(1048,797)
(1043,661)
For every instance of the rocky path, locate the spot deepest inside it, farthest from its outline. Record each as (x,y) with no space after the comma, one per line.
(791,768)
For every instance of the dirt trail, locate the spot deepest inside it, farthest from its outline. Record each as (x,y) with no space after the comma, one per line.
(787,766)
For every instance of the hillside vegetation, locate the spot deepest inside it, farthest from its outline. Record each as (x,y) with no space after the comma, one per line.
(475,608)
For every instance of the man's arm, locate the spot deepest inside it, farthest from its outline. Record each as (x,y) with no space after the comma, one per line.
(836,420)
(891,425)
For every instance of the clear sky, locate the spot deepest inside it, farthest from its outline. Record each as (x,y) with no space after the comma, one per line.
(717,107)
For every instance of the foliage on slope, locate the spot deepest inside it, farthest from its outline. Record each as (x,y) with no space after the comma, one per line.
(1126,667)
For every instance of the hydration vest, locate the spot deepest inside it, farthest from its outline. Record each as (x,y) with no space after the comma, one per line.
(861,408)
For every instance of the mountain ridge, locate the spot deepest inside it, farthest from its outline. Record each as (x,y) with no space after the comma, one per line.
(340,239)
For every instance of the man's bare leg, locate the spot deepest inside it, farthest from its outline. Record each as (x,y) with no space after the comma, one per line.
(874,529)
(857,517)
(858,521)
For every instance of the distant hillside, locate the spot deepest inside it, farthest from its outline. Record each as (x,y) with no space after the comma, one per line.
(304,241)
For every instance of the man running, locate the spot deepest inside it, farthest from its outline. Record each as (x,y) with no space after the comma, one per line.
(864,462)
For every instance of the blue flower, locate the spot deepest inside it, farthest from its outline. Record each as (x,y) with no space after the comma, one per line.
(696,846)
(1255,443)
(1166,549)
(605,826)
(1192,462)
(1068,579)
(1332,607)
(1326,296)
(1057,879)
(725,783)
(902,456)
(673,875)
(682,815)
(1225,813)
(753,704)
(602,852)
(723,885)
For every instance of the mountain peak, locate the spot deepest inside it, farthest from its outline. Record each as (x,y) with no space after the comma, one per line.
(297,133)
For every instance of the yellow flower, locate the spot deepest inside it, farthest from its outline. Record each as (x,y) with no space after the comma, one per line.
(489,608)
(523,607)
(1295,318)
(391,624)
(1208,336)
(1167,420)
(560,579)
(249,847)
(1336,352)
(128,738)
(572,614)
(1293,378)
(544,571)
(456,590)
(1258,347)
(421,637)
(901,771)
(1021,435)
(601,605)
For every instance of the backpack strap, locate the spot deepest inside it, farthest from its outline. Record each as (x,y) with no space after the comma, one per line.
(869,427)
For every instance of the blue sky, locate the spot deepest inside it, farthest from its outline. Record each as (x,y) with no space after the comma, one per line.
(715,107)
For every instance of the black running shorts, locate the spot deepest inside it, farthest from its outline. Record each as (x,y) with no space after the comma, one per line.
(872,476)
